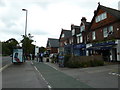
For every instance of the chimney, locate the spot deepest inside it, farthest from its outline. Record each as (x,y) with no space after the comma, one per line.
(119,5)
(72,26)
(83,19)
(95,11)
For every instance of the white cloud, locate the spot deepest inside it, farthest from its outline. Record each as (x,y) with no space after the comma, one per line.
(45,17)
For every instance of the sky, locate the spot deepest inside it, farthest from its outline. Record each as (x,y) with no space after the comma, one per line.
(45,18)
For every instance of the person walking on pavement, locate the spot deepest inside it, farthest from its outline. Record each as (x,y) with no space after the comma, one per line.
(37,57)
(33,56)
(41,57)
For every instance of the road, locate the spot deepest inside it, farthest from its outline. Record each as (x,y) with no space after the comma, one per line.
(22,76)
(96,77)
(6,60)
(34,74)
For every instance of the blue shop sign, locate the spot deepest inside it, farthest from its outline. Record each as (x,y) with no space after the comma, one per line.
(104,44)
(79,46)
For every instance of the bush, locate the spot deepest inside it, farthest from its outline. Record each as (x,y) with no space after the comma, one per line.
(79,63)
(66,59)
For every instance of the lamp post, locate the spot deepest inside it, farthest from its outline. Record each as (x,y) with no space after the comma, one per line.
(25,21)
(25,51)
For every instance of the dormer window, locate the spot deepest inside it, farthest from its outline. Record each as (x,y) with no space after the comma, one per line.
(101,17)
(63,35)
(73,32)
(82,28)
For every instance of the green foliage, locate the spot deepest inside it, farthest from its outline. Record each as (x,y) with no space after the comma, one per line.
(8,46)
(27,45)
(78,63)
(42,49)
(66,59)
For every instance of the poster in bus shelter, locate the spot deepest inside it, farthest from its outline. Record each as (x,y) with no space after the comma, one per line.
(17,56)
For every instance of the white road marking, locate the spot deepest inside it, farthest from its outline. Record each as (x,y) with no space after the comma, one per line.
(42,77)
(1,69)
(49,86)
(113,73)
(52,66)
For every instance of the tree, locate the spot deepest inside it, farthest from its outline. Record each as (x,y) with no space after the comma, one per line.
(42,49)
(8,46)
(27,45)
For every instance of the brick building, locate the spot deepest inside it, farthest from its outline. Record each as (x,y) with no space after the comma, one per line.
(104,35)
(64,40)
(52,45)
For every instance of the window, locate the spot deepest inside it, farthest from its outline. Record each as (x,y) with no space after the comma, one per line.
(93,35)
(101,17)
(63,35)
(82,28)
(81,39)
(73,32)
(105,32)
(87,37)
(110,28)
(78,39)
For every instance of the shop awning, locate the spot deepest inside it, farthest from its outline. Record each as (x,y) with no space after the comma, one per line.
(100,47)
(79,46)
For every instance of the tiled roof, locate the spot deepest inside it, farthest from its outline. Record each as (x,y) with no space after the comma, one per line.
(67,33)
(53,42)
(112,11)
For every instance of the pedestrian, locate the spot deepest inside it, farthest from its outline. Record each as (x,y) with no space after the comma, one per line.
(30,56)
(41,57)
(37,57)
(33,56)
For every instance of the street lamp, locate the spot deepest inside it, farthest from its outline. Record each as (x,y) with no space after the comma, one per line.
(25,21)
(25,31)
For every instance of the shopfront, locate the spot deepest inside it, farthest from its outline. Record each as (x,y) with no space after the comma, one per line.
(107,49)
(79,50)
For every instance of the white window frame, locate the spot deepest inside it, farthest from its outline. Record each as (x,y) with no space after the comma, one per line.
(110,28)
(93,35)
(105,32)
(73,32)
(101,17)
(81,39)
(63,35)
(78,39)
(82,28)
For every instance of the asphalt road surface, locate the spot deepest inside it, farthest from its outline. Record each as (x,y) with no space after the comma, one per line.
(6,60)
(22,76)
(32,74)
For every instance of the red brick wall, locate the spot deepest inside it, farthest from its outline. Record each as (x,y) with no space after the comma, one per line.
(99,33)
(54,50)
(104,22)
